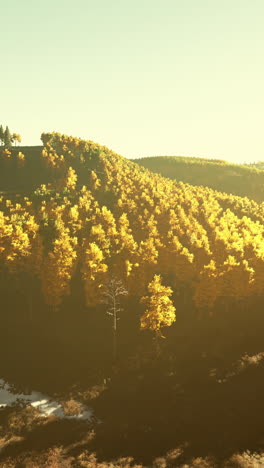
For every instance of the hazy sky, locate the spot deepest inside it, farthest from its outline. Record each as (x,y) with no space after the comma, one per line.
(143,77)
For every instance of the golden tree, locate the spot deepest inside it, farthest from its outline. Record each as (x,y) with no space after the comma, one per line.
(58,269)
(94,181)
(160,311)
(94,272)
(15,138)
(20,159)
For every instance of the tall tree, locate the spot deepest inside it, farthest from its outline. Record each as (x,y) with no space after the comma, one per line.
(7,138)
(112,292)
(160,311)
(2,135)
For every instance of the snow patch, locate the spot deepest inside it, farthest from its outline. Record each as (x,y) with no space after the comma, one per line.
(43,403)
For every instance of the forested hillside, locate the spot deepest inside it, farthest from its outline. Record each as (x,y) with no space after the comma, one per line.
(239,179)
(74,217)
(101,215)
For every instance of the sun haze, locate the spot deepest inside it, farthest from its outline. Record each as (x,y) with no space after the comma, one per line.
(147,77)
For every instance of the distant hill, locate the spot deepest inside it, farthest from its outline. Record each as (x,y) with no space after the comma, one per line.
(257,165)
(238,179)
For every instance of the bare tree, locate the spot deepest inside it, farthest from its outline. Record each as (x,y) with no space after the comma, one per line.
(112,292)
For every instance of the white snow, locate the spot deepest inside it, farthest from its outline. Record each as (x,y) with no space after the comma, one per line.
(38,400)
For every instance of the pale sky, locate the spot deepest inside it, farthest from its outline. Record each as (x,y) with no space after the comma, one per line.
(143,77)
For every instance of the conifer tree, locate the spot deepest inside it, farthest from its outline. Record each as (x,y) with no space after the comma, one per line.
(2,135)
(7,138)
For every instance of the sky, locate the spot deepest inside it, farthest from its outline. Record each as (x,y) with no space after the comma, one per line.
(143,77)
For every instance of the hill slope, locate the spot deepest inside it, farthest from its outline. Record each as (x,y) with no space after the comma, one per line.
(89,214)
(238,179)
(126,221)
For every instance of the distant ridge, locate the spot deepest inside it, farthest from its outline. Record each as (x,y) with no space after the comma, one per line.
(238,179)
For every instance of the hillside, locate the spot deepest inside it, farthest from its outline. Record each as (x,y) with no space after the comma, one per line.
(73,216)
(257,165)
(239,179)
(138,223)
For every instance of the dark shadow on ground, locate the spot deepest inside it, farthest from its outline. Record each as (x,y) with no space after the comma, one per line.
(148,418)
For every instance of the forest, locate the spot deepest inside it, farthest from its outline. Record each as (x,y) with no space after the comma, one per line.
(137,287)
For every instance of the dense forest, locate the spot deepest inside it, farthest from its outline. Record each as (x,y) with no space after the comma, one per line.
(244,180)
(145,292)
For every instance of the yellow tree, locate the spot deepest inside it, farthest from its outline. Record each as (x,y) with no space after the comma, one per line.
(21,249)
(147,257)
(160,311)
(127,249)
(68,181)
(58,269)
(94,272)
(15,138)
(95,183)
(20,159)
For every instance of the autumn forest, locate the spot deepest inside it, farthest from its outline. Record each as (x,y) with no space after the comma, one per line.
(138,290)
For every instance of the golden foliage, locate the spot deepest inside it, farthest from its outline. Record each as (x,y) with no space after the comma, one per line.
(134,224)
(160,311)
(58,268)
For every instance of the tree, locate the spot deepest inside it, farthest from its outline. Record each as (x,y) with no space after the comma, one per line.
(58,269)
(112,292)
(7,138)
(2,135)
(68,181)
(94,271)
(15,138)
(160,310)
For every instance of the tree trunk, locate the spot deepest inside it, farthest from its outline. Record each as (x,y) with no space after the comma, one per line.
(114,337)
